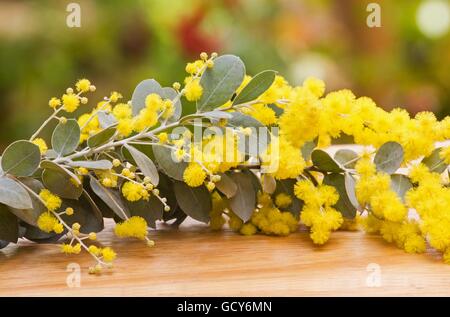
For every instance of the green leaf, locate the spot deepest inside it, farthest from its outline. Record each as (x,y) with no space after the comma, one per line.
(243,203)
(93,165)
(286,186)
(194,201)
(163,157)
(307,149)
(256,182)
(269,183)
(145,164)
(323,161)
(31,215)
(389,157)
(176,214)
(239,119)
(142,90)
(434,162)
(101,138)
(106,120)
(35,234)
(61,184)
(86,213)
(87,200)
(51,154)
(9,226)
(278,111)
(256,87)
(111,198)
(102,206)
(220,82)
(147,149)
(50,165)
(226,185)
(151,210)
(400,184)
(13,194)
(350,185)
(66,136)
(217,115)
(347,158)
(166,190)
(21,158)
(344,204)
(170,93)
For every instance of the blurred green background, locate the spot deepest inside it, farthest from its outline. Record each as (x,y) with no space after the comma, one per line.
(405,62)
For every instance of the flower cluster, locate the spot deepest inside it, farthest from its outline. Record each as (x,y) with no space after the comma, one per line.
(269,220)
(255,156)
(134,227)
(318,213)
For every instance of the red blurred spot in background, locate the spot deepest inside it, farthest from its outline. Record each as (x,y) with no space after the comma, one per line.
(193,40)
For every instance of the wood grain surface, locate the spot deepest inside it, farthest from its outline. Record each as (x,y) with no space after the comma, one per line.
(197,262)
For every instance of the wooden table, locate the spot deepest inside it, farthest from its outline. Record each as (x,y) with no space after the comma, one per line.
(195,261)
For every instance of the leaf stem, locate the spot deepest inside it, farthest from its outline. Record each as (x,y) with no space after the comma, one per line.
(44,124)
(69,229)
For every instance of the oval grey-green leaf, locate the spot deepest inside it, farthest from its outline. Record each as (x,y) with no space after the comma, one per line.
(243,203)
(61,184)
(256,87)
(226,185)
(400,184)
(324,162)
(21,158)
(194,201)
(163,157)
(66,137)
(347,158)
(145,164)
(220,82)
(13,194)
(9,226)
(93,165)
(110,197)
(434,162)
(389,157)
(344,204)
(101,138)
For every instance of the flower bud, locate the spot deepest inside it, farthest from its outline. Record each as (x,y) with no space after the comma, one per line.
(116,163)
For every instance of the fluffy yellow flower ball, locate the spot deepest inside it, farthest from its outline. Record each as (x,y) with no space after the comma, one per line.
(122,111)
(83,85)
(133,191)
(71,249)
(47,222)
(71,102)
(193,90)
(52,202)
(194,175)
(134,227)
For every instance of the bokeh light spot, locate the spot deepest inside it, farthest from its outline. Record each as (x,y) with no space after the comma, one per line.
(433,18)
